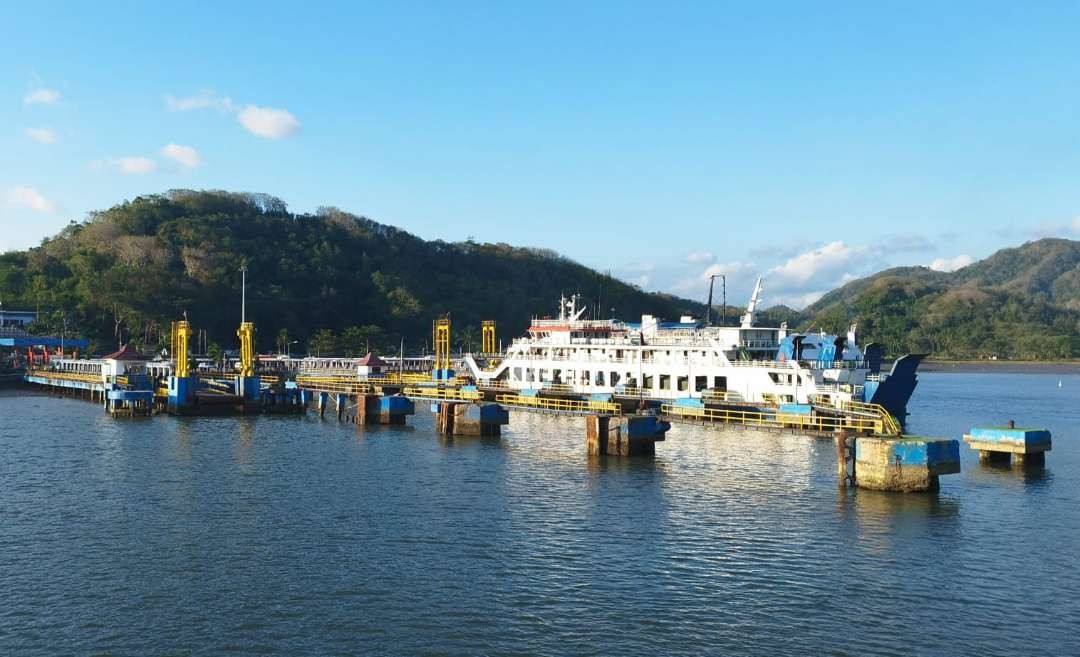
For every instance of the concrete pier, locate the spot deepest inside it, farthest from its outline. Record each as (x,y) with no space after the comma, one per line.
(1021,445)
(470,419)
(390,410)
(627,435)
(904,463)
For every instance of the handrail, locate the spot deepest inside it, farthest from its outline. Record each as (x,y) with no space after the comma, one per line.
(564,405)
(756,418)
(67,376)
(442,393)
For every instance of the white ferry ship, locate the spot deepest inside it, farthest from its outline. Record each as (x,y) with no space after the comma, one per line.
(659,360)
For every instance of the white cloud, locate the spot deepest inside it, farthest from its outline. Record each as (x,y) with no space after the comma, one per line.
(41,135)
(185,156)
(698,257)
(830,261)
(132,165)
(42,97)
(202,100)
(29,198)
(951,264)
(268,122)
(1076,225)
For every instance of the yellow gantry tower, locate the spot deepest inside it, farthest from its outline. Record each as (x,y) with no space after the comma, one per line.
(246,333)
(441,340)
(181,334)
(487,336)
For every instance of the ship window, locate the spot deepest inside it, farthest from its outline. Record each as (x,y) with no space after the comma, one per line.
(557,376)
(684,383)
(720,383)
(600,378)
(517,373)
(619,354)
(614,378)
(647,382)
(665,382)
(585,377)
(700,383)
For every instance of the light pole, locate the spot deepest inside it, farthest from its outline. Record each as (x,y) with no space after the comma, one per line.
(243,292)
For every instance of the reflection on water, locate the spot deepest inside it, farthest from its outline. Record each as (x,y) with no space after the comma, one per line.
(295,535)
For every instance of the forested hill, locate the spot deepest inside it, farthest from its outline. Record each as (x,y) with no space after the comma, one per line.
(135,267)
(1021,303)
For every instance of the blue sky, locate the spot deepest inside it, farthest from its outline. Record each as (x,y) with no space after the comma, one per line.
(809,142)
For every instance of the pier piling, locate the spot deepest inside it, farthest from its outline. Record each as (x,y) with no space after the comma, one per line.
(1023,446)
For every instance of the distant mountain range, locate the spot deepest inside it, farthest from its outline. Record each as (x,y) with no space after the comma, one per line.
(1021,302)
(334,282)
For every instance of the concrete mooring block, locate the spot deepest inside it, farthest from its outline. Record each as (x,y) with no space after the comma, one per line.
(905,463)
(1021,445)
(626,435)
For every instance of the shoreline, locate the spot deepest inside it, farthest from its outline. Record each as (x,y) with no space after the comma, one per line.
(1003,366)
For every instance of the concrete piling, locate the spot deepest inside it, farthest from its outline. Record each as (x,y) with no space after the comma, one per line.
(630,435)
(904,463)
(1023,446)
(470,419)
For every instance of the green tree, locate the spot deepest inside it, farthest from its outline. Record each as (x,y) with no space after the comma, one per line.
(322,343)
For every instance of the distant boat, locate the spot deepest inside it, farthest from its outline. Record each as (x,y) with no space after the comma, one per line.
(1059,383)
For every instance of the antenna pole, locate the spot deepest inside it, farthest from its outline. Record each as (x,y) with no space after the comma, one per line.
(723,280)
(708,306)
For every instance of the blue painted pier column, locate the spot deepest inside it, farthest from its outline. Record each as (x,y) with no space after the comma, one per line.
(392,409)
(1022,445)
(904,463)
(181,395)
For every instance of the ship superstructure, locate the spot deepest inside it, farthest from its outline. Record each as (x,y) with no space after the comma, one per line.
(661,360)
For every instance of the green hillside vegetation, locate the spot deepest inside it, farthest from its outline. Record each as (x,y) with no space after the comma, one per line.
(335,283)
(332,282)
(1020,303)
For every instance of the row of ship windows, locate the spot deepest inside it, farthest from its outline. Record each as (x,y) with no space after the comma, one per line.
(611,379)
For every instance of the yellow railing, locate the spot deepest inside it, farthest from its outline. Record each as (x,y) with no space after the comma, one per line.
(888,421)
(348,387)
(67,376)
(564,405)
(453,394)
(388,379)
(758,419)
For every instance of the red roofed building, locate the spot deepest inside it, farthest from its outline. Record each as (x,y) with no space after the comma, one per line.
(370,365)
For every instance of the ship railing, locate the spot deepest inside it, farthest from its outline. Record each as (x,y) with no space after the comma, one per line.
(720,396)
(759,344)
(777,420)
(560,405)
